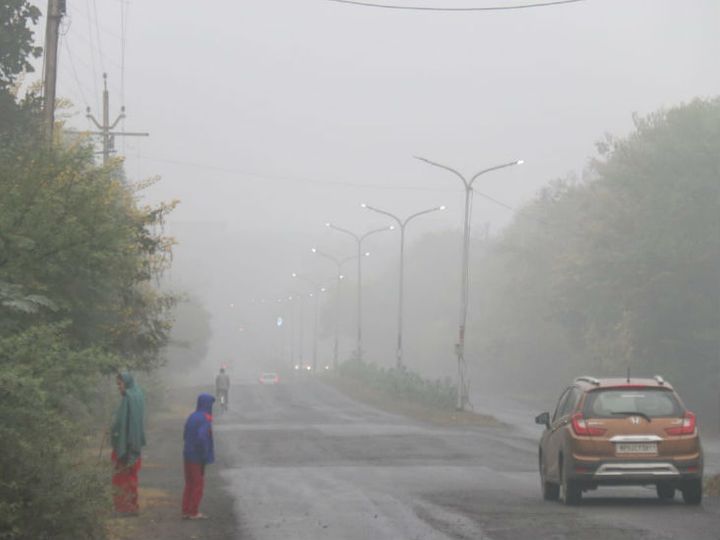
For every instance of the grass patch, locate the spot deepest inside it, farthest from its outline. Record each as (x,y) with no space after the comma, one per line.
(712,486)
(151,500)
(381,399)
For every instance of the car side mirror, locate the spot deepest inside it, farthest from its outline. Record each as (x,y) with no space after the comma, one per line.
(543,419)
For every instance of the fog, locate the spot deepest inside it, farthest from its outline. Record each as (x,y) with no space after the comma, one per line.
(269,118)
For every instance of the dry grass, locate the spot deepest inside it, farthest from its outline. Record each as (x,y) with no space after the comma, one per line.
(410,409)
(126,528)
(712,486)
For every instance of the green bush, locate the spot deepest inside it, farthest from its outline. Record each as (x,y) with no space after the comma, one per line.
(48,489)
(402,383)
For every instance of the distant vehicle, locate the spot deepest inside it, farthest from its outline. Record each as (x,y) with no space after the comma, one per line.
(303,367)
(269,378)
(620,432)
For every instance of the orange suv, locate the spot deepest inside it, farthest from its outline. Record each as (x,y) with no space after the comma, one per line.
(620,432)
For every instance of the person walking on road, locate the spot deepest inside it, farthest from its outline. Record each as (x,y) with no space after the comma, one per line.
(222,388)
(198,452)
(127,436)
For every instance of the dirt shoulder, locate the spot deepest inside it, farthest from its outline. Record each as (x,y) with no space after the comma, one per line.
(413,410)
(712,485)
(161,484)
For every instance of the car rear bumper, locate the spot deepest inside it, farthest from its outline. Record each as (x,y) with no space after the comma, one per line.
(636,472)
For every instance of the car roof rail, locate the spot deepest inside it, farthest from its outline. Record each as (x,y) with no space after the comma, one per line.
(659,379)
(588,379)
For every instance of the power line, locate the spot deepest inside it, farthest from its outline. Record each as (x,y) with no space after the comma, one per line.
(313,181)
(429,8)
(92,51)
(66,45)
(123,41)
(99,41)
(291,179)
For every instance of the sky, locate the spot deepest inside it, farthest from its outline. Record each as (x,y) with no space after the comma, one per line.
(268,118)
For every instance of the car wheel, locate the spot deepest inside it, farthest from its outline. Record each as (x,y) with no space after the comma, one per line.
(570,491)
(665,492)
(692,491)
(550,490)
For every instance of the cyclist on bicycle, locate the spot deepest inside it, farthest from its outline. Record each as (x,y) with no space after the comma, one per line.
(222,388)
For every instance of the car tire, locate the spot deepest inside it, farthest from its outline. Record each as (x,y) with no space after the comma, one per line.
(666,492)
(570,491)
(550,490)
(692,491)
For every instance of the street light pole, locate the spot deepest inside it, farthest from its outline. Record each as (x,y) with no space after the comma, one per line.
(339,264)
(296,327)
(463,383)
(359,240)
(401,286)
(317,289)
(301,326)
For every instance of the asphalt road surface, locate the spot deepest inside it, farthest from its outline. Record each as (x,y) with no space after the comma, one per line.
(304,462)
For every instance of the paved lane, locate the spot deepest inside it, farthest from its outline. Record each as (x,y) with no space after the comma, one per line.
(302,461)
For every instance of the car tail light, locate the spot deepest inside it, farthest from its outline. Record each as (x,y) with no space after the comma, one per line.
(687,427)
(580,426)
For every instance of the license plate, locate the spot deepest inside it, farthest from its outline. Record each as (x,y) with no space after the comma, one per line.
(636,448)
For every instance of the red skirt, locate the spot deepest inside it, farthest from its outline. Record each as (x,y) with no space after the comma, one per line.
(125,485)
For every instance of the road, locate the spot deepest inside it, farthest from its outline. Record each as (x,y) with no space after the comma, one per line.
(302,461)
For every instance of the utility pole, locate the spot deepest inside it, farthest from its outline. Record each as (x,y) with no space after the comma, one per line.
(108,136)
(55,12)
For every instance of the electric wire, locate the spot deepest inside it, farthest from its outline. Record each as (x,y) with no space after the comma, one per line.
(330,183)
(92,53)
(99,40)
(292,179)
(66,45)
(431,8)
(123,41)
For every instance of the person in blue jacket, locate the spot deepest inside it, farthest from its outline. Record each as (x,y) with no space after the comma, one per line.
(198,451)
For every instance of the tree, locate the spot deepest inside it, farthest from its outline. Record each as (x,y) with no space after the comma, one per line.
(16,40)
(619,269)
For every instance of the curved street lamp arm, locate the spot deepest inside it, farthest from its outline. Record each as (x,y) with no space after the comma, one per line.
(332,226)
(338,262)
(364,236)
(326,256)
(495,168)
(418,214)
(434,164)
(383,212)
(347,259)
(305,279)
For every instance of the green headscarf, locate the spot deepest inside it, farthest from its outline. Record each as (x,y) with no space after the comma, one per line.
(128,429)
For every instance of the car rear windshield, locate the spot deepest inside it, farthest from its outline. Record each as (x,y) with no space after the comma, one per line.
(614,402)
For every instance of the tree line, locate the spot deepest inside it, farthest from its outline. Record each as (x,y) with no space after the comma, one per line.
(617,269)
(80,258)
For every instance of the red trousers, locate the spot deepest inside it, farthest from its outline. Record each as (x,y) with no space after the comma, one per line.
(194,485)
(125,485)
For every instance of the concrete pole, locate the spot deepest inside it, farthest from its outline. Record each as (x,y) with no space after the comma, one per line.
(55,12)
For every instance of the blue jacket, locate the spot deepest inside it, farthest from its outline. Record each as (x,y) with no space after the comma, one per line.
(197,435)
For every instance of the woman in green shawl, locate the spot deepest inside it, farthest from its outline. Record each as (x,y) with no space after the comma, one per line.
(127,436)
